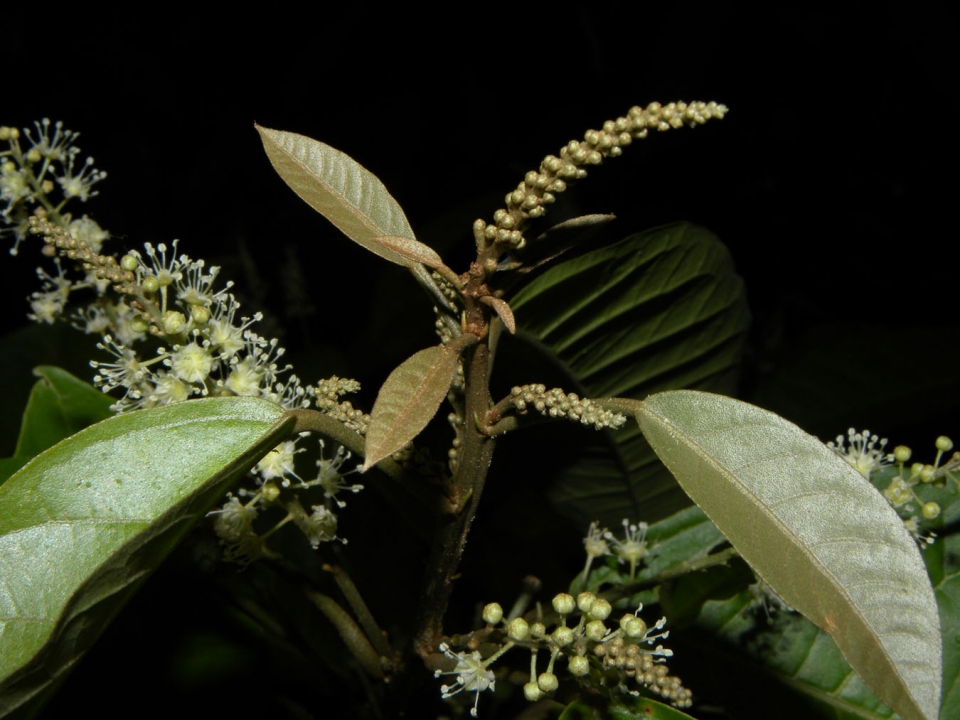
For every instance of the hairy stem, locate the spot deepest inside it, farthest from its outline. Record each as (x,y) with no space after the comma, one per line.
(455,519)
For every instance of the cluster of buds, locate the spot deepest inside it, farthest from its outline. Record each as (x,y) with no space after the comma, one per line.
(30,176)
(865,452)
(540,187)
(627,657)
(555,403)
(902,491)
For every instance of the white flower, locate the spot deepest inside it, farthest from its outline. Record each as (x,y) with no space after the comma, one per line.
(633,547)
(472,675)
(81,184)
(596,546)
(89,232)
(191,363)
(278,463)
(320,526)
(864,455)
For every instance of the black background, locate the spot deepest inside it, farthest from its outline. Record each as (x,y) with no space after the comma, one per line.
(832,180)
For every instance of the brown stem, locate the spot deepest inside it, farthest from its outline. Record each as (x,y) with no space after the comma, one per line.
(454,522)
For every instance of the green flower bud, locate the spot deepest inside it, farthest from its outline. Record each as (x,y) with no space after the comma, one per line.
(600,610)
(518,629)
(944,444)
(564,604)
(548,682)
(595,630)
(492,613)
(578,666)
(562,636)
(901,453)
(930,510)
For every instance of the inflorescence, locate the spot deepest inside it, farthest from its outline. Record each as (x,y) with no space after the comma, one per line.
(625,658)
(171,333)
(865,452)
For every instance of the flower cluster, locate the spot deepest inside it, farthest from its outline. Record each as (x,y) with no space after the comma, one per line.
(556,403)
(597,656)
(631,549)
(30,176)
(171,333)
(865,452)
(540,187)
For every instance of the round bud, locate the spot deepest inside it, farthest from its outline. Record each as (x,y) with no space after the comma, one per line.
(129,263)
(492,613)
(600,610)
(563,603)
(634,627)
(139,325)
(585,601)
(150,285)
(173,322)
(548,682)
(518,629)
(578,666)
(944,444)
(537,630)
(532,692)
(200,314)
(33,155)
(930,510)
(270,491)
(901,453)
(562,636)
(915,469)
(595,630)
(928,473)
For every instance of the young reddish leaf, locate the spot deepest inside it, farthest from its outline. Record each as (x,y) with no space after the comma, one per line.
(503,311)
(408,400)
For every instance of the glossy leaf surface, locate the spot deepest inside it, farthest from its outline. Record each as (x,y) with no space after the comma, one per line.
(59,406)
(813,528)
(84,523)
(408,400)
(658,310)
(347,194)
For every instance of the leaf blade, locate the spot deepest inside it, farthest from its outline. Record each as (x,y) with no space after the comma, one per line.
(86,521)
(347,194)
(656,310)
(802,517)
(408,400)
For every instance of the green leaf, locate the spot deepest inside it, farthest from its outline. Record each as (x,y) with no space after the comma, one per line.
(407,401)
(59,406)
(84,523)
(658,310)
(814,529)
(346,194)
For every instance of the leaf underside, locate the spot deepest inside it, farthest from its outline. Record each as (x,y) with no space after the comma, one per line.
(84,523)
(658,310)
(408,400)
(348,195)
(814,529)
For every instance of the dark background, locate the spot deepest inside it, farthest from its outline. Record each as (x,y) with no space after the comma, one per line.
(832,180)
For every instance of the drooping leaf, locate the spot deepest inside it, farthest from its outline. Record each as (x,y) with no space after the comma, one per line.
(84,523)
(658,310)
(814,529)
(59,406)
(347,194)
(408,400)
